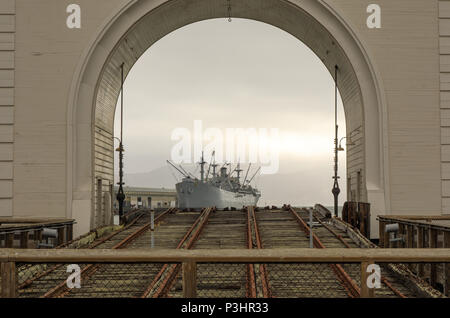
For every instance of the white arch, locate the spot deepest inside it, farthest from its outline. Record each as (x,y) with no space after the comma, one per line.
(98,54)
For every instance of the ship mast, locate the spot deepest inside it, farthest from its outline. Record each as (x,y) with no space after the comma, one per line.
(246,174)
(213,160)
(238,171)
(202,168)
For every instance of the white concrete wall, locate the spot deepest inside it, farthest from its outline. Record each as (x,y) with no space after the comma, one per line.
(405,54)
(7,64)
(444,46)
(47,167)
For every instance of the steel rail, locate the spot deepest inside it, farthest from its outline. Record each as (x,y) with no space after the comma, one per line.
(61,289)
(262,267)
(346,281)
(169,273)
(251,284)
(384,280)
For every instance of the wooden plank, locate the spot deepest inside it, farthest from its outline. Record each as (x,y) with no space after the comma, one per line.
(366,292)
(444,9)
(6,133)
(9,240)
(7,23)
(24,239)
(189,279)
(329,255)
(447,266)
(46,221)
(7,6)
(37,236)
(61,233)
(401,234)
(6,115)
(381,227)
(433,244)
(6,58)
(420,244)
(410,237)
(6,207)
(415,217)
(387,240)
(69,233)
(6,152)
(6,96)
(8,279)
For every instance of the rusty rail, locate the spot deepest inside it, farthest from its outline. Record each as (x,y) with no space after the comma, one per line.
(9,258)
(346,281)
(262,268)
(169,273)
(384,280)
(251,283)
(61,289)
(95,244)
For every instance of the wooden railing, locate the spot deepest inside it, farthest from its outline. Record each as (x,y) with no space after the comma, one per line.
(419,232)
(190,259)
(22,229)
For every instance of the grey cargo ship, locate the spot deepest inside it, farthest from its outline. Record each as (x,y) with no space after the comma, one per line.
(222,190)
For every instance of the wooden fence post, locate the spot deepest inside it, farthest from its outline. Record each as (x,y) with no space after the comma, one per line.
(381,227)
(410,242)
(9,243)
(433,244)
(9,278)
(386,238)
(420,244)
(189,269)
(69,232)
(401,235)
(61,238)
(447,266)
(366,292)
(24,239)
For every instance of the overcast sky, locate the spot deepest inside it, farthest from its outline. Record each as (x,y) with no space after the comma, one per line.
(243,74)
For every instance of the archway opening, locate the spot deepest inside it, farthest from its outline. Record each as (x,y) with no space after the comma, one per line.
(220,75)
(142,23)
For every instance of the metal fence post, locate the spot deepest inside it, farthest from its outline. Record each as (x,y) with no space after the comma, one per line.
(366,292)
(189,269)
(9,279)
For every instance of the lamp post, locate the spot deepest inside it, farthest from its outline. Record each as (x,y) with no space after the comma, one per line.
(336,189)
(120,194)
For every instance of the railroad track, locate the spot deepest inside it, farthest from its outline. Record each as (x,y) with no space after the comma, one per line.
(280,229)
(250,228)
(49,280)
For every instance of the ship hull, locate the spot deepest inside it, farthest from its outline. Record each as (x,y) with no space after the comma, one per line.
(197,195)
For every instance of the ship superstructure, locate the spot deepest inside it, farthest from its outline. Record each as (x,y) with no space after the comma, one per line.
(222,189)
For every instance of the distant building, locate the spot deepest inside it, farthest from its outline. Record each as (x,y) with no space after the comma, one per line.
(148,197)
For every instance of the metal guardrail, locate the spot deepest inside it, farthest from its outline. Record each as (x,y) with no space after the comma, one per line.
(191,259)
